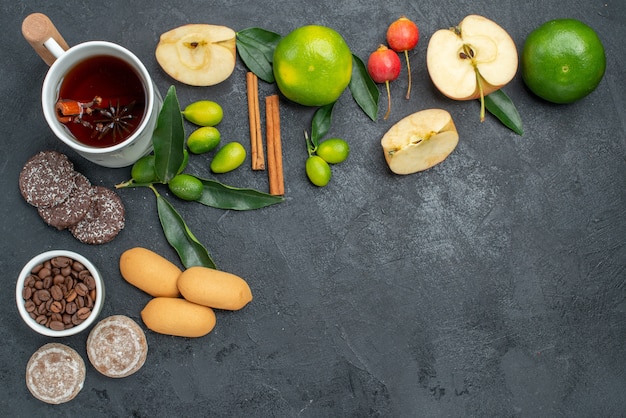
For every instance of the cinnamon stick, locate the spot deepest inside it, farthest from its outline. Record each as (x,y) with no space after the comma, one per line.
(254,117)
(269,138)
(274,147)
(278,149)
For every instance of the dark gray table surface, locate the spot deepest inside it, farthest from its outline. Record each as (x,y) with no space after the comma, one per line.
(492,285)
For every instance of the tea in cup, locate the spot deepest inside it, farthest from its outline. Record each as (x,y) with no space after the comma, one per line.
(99,99)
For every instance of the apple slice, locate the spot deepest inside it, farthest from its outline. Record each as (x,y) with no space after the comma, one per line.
(198,54)
(419,141)
(471,60)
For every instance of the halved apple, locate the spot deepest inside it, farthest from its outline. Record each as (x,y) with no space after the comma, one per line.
(198,54)
(419,141)
(471,60)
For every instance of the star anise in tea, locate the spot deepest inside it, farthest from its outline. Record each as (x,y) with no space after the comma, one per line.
(116,120)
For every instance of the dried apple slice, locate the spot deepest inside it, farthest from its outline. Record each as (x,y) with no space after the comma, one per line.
(198,54)
(419,141)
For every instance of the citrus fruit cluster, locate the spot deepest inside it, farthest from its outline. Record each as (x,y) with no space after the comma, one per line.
(206,114)
(330,151)
(181,185)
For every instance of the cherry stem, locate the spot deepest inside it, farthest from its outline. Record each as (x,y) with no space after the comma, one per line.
(408,67)
(388,100)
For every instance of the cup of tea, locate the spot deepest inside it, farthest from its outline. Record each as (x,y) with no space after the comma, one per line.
(97,97)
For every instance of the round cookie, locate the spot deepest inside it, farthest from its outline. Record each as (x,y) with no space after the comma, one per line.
(73,209)
(104,220)
(55,373)
(47,179)
(117,346)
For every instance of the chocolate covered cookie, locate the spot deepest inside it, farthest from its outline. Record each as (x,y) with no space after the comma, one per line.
(65,199)
(47,179)
(104,220)
(73,209)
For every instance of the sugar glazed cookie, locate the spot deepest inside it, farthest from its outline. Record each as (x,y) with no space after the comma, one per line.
(55,373)
(117,346)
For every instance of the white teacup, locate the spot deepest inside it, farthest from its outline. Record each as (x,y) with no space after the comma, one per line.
(135,146)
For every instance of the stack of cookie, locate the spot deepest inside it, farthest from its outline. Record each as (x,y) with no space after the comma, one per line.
(66,199)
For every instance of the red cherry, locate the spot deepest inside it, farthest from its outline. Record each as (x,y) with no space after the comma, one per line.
(402,36)
(383,66)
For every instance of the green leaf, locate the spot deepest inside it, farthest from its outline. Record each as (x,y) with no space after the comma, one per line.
(168,138)
(322,119)
(255,62)
(363,89)
(189,249)
(256,49)
(221,196)
(262,40)
(502,107)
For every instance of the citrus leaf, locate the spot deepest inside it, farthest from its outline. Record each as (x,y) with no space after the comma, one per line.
(168,138)
(322,119)
(259,66)
(221,196)
(189,249)
(256,49)
(502,107)
(363,88)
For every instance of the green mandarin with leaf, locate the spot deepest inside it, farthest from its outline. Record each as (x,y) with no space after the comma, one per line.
(256,47)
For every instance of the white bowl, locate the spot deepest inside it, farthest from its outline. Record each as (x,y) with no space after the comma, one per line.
(26,272)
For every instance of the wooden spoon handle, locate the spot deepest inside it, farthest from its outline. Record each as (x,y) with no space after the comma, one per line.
(37,28)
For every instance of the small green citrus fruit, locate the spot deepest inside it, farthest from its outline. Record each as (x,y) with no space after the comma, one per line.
(186,187)
(204,113)
(333,150)
(228,158)
(318,170)
(143,171)
(203,139)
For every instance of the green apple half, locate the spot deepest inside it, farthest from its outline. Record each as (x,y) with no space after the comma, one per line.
(419,141)
(198,54)
(471,60)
